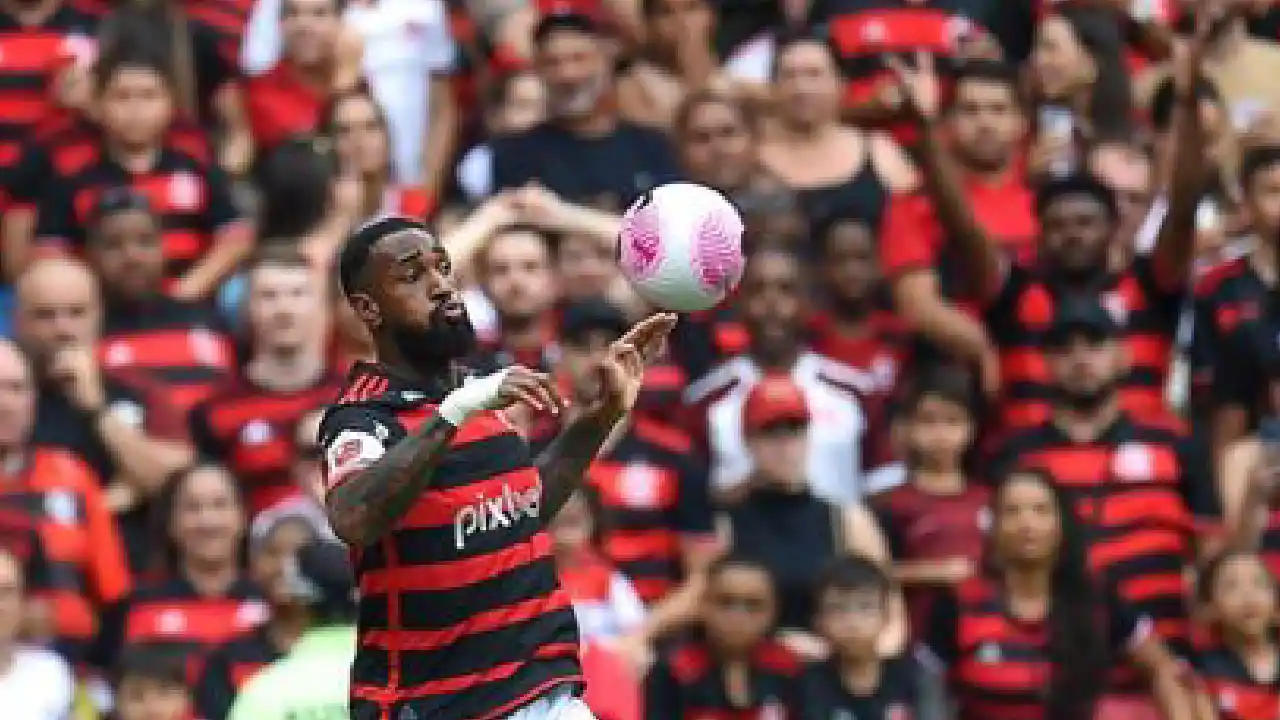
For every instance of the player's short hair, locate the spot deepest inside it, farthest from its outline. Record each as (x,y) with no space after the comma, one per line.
(853,573)
(354,258)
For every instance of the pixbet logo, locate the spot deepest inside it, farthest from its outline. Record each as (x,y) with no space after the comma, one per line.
(493,513)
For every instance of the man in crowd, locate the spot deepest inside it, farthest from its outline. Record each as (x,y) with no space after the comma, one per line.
(514,268)
(584,152)
(177,346)
(126,437)
(34,682)
(250,423)
(771,305)
(62,497)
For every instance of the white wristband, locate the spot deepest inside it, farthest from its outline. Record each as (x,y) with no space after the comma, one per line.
(476,394)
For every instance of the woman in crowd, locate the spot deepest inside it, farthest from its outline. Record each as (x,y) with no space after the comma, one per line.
(358,129)
(202,596)
(836,169)
(680,54)
(1033,636)
(1240,666)
(733,667)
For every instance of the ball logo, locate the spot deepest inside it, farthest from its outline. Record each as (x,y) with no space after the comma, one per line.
(487,514)
(640,246)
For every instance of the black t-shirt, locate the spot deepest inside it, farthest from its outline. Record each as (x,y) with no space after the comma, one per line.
(823,695)
(608,171)
(794,535)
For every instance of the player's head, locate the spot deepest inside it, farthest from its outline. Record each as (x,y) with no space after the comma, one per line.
(1238,595)
(1085,354)
(740,604)
(151,684)
(937,425)
(399,280)
(853,606)
(17,397)
(58,307)
(1078,218)
(125,247)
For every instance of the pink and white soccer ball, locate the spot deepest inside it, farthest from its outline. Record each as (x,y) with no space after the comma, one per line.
(681,247)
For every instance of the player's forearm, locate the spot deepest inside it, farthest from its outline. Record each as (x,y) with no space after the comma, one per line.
(564,463)
(365,506)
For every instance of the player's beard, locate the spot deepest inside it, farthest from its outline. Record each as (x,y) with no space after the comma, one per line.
(434,349)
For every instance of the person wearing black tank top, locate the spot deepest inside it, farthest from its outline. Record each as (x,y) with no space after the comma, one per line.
(853,600)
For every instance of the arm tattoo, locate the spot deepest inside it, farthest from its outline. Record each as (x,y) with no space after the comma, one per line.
(565,461)
(364,507)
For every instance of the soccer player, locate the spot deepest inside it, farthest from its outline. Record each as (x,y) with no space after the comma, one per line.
(442,504)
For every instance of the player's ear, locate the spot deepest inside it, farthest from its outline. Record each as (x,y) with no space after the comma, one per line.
(367,310)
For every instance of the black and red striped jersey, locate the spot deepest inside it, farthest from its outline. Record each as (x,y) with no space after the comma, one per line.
(20,537)
(1146,307)
(824,695)
(688,683)
(1141,488)
(31,58)
(228,668)
(461,613)
(184,347)
(192,199)
(253,431)
(656,495)
(226,20)
(999,666)
(1232,689)
(171,613)
(1235,336)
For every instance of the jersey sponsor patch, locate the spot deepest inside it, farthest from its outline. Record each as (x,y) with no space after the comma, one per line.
(349,452)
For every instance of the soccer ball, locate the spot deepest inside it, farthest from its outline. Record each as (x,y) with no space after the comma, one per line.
(681,247)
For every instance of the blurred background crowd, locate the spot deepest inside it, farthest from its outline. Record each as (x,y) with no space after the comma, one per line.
(1005,358)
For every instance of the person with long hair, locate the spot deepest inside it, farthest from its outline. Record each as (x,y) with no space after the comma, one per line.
(1033,635)
(201,595)
(1240,666)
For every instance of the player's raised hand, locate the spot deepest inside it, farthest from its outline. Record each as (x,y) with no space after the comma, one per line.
(621,372)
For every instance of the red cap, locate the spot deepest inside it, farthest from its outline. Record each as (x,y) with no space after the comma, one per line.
(775,399)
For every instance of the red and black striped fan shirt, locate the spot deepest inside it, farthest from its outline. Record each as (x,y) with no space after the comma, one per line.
(687,683)
(461,613)
(1232,689)
(1141,488)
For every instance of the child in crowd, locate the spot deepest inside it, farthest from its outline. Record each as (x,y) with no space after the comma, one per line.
(151,684)
(853,599)
(1240,667)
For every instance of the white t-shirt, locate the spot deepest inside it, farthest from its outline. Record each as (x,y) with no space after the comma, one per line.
(37,686)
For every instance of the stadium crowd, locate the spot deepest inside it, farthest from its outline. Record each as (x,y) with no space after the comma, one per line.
(990,429)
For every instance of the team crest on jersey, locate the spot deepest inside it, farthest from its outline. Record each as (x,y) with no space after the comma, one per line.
(897,712)
(83,49)
(205,347)
(171,622)
(1133,462)
(875,32)
(1116,307)
(256,432)
(60,507)
(639,485)
(117,354)
(1226,700)
(128,412)
(351,448)
(251,614)
(184,191)
(984,518)
(989,653)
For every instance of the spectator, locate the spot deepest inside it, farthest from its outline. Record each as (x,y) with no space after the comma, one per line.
(201,597)
(1078,216)
(854,326)
(935,524)
(300,202)
(771,304)
(853,599)
(319,61)
(1247,484)
(62,497)
(653,487)
(1128,172)
(678,55)
(514,268)
(584,152)
(356,124)
(604,600)
(151,684)
(733,664)
(517,104)
(1106,459)
(717,139)
(249,424)
(312,680)
(838,170)
(778,520)
(1078,68)
(179,346)
(1237,334)
(274,545)
(204,235)
(1038,609)
(1238,670)
(35,683)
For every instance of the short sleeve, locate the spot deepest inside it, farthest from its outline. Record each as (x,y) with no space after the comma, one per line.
(222,209)
(354,437)
(939,639)
(906,237)
(693,514)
